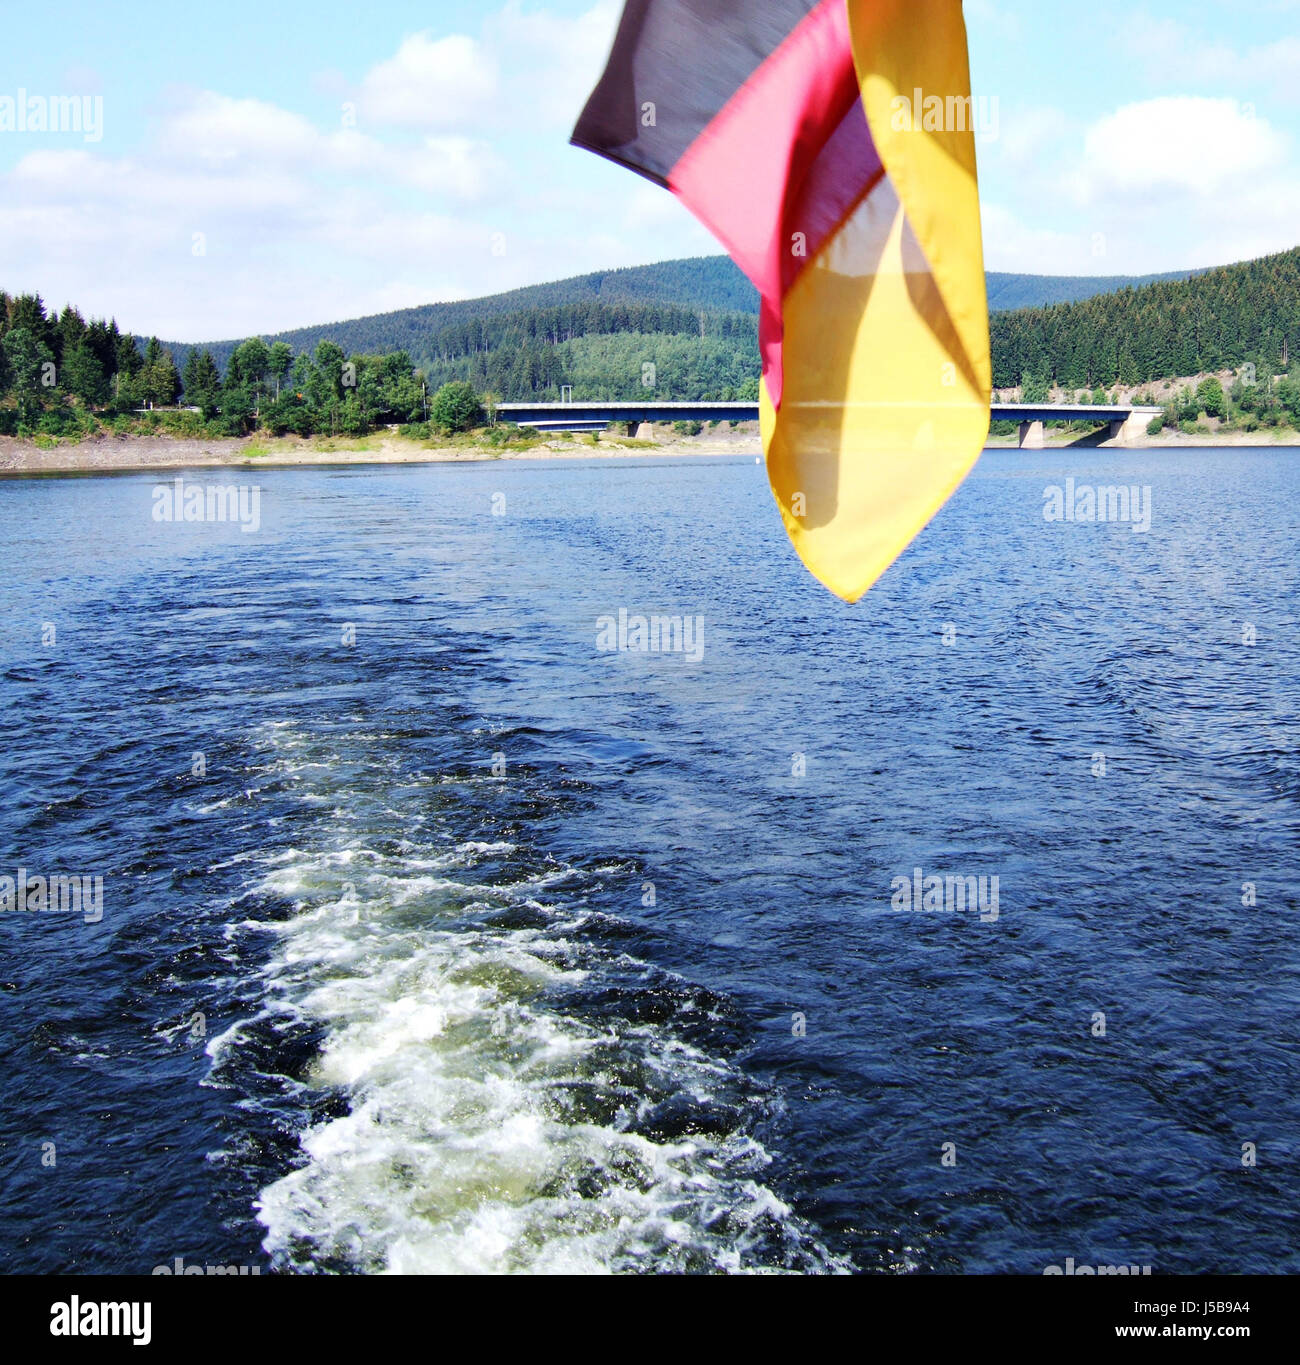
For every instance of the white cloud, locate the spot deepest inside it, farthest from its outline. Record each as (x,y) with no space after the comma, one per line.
(297,225)
(1162,184)
(431,83)
(219,131)
(1185,144)
(1166,184)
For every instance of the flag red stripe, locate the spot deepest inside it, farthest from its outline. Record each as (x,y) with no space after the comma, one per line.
(789,153)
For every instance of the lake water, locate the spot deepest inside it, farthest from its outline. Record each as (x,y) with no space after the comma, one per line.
(455,942)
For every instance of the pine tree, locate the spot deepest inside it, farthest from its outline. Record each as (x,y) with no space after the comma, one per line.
(83,375)
(26,359)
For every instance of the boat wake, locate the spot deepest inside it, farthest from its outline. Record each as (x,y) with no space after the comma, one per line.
(477,1072)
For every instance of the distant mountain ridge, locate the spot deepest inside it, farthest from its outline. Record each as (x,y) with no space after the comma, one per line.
(1010,292)
(709,284)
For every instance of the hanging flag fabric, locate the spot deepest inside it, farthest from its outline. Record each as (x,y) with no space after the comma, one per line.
(830,147)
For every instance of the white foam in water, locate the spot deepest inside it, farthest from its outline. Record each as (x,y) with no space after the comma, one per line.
(462,1150)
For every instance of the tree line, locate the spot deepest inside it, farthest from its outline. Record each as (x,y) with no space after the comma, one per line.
(61,374)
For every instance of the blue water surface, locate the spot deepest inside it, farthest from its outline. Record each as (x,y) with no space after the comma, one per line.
(451,941)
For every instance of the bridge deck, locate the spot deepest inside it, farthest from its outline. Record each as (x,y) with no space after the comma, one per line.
(556,414)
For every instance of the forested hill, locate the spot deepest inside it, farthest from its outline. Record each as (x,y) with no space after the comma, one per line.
(710,284)
(603,350)
(701,284)
(1216,320)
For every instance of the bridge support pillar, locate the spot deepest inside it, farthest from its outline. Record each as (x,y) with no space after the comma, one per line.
(645,432)
(1031,436)
(1131,430)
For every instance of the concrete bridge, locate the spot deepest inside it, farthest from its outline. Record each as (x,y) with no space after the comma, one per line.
(597,416)
(1127,424)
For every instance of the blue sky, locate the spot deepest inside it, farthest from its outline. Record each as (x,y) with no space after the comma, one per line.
(264,167)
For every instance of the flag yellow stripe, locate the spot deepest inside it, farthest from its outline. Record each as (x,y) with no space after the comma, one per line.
(905,49)
(886,399)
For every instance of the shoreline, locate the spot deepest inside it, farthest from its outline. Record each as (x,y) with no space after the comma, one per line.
(161,454)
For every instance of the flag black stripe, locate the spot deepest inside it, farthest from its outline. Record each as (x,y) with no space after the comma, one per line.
(685,58)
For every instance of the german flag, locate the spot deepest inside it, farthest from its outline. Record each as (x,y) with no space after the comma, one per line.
(830,147)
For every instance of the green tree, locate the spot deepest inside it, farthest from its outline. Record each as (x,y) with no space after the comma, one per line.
(253,358)
(1211,398)
(71,331)
(129,364)
(26,313)
(455,407)
(1034,388)
(352,417)
(83,375)
(26,361)
(236,410)
(203,383)
(162,382)
(279,359)
(327,374)
(188,372)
